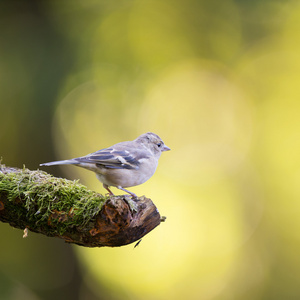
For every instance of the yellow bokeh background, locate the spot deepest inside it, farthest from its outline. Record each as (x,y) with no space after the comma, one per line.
(218,82)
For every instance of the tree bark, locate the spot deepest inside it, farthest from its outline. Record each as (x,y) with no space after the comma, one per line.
(57,207)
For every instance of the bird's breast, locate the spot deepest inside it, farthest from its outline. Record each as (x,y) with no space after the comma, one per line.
(128,177)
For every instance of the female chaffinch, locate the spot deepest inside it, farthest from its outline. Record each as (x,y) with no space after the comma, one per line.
(124,164)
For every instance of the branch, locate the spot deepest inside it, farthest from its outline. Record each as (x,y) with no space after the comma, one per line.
(57,207)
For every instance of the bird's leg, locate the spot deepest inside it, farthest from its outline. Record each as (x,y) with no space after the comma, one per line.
(132,194)
(107,188)
(130,201)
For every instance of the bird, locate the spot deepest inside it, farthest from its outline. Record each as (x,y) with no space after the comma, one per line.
(123,165)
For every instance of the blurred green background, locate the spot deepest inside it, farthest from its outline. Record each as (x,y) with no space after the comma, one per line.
(219,82)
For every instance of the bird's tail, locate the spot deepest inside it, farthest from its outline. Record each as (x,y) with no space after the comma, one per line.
(60,162)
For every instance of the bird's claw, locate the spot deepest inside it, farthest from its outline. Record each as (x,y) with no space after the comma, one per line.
(131,203)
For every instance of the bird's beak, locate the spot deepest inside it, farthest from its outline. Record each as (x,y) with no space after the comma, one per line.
(165,148)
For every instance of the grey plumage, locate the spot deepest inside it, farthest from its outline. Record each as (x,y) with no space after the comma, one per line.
(124,164)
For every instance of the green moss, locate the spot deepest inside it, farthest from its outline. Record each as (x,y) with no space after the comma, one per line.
(47,201)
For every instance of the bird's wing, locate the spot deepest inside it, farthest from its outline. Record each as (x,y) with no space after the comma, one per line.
(114,158)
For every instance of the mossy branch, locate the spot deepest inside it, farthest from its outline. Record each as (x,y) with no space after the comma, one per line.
(57,207)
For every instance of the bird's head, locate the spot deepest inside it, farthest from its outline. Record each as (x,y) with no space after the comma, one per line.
(153,142)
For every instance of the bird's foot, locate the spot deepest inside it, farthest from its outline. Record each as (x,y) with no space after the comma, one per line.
(131,203)
(108,189)
(133,195)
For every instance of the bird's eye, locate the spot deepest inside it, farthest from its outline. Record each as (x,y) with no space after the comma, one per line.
(159,145)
